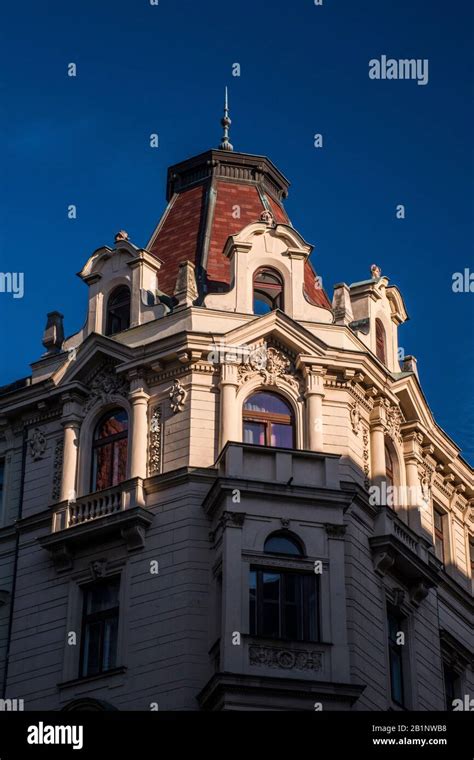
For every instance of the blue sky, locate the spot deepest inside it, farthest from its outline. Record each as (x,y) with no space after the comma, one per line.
(145,69)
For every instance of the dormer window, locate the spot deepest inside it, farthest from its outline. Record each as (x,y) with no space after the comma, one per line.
(380,341)
(118,311)
(267,291)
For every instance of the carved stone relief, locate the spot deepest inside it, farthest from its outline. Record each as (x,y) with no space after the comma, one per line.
(37,444)
(271,364)
(57,468)
(286,659)
(178,396)
(103,386)
(154,448)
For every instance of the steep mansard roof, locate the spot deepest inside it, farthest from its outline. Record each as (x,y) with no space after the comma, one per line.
(210,197)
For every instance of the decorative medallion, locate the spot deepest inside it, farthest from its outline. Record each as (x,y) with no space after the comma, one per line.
(178,396)
(37,444)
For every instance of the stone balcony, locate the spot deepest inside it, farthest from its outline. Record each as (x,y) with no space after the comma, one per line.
(398,549)
(117,512)
(268,474)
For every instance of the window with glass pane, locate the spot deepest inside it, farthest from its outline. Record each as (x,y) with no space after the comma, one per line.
(268,421)
(283,605)
(100,627)
(282,543)
(438,519)
(267,291)
(110,448)
(395,626)
(118,311)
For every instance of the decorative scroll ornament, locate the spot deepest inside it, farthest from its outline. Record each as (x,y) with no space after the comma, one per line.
(57,468)
(154,464)
(104,386)
(271,364)
(37,444)
(178,396)
(354,412)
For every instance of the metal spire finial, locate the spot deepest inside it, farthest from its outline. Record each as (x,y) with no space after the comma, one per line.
(226,122)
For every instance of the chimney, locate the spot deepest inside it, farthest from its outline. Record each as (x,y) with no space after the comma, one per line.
(410,364)
(341,304)
(185,291)
(53,335)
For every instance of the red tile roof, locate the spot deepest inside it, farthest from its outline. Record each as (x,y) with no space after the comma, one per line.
(178,237)
(193,230)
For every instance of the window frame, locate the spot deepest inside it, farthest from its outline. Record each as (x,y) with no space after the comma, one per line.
(309,614)
(380,341)
(99,617)
(397,651)
(263,291)
(109,314)
(439,533)
(268,419)
(112,440)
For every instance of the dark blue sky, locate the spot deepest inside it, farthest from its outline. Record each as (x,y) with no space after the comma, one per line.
(304,70)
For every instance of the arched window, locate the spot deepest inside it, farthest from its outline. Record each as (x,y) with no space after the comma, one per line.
(268,421)
(118,310)
(380,342)
(282,543)
(267,290)
(109,455)
(284,601)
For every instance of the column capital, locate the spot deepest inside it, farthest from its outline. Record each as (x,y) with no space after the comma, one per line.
(314,377)
(72,411)
(229,374)
(136,378)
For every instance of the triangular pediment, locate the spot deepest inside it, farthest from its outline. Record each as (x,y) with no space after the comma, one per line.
(278,328)
(95,352)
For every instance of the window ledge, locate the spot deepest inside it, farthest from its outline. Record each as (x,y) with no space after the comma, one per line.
(90,679)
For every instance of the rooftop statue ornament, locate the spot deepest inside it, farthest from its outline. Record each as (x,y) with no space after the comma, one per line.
(376,272)
(121,235)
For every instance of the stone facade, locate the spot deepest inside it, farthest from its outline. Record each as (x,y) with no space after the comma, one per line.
(192,516)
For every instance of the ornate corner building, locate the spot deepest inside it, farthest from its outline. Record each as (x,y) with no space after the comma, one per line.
(225,492)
